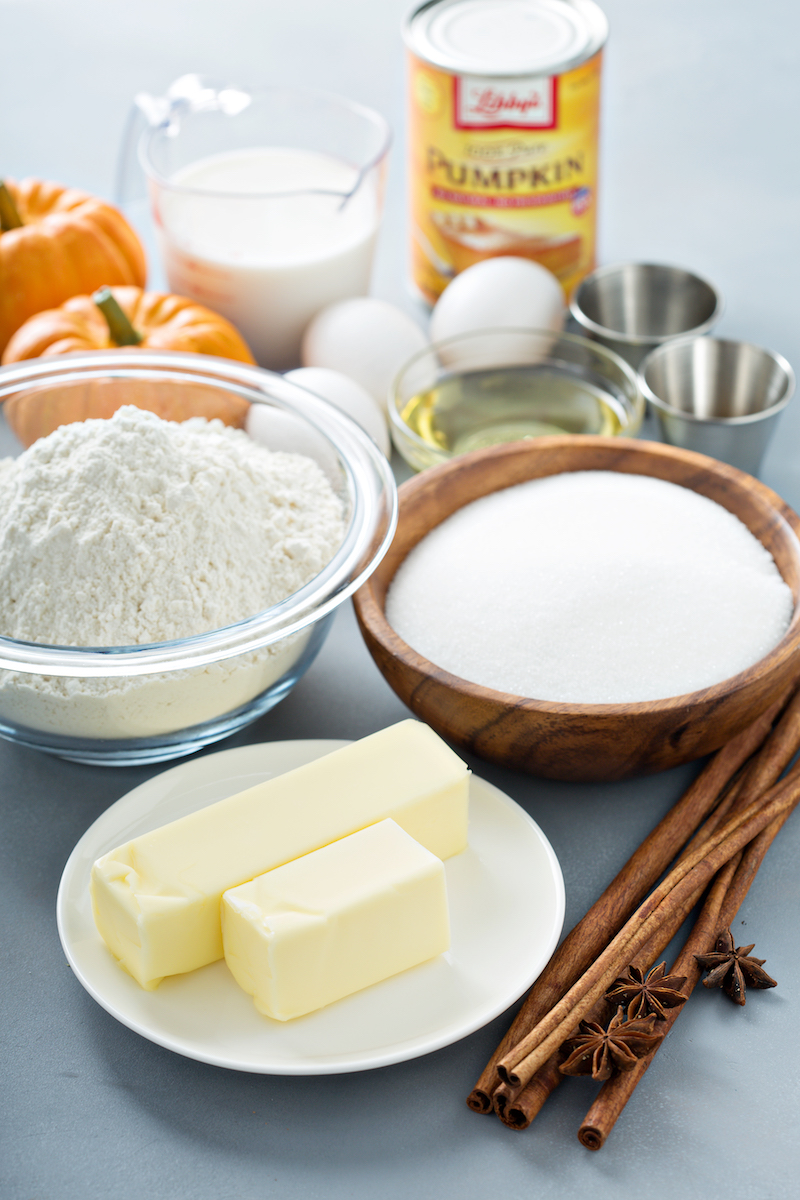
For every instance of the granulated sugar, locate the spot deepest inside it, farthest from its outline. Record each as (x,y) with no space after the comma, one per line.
(591,587)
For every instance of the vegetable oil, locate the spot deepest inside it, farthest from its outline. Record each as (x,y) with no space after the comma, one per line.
(464,412)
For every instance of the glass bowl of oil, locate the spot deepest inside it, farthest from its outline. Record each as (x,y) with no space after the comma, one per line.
(509,385)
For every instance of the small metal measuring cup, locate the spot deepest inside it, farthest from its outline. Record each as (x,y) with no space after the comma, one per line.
(634,307)
(718,397)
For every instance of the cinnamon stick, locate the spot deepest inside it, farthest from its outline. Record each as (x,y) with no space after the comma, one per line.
(521,1063)
(766,768)
(724,900)
(762,771)
(747,870)
(623,894)
(616,1092)
(517,1107)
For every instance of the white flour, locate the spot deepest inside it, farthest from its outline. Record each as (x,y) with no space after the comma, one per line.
(138,530)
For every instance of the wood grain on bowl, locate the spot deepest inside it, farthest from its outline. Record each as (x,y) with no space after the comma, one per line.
(591,742)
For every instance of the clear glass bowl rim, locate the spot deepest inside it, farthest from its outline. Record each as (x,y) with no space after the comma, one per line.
(369,481)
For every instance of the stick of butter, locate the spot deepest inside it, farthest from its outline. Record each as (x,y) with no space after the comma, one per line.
(335,921)
(157,899)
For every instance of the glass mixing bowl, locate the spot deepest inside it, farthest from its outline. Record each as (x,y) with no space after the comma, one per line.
(121,705)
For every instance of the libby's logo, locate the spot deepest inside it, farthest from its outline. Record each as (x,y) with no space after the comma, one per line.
(490,103)
(497,103)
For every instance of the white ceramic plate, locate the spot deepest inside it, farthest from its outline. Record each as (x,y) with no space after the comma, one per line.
(506,896)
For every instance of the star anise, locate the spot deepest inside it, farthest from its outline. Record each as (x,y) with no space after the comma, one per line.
(598,1052)
(650,993)
(733,969)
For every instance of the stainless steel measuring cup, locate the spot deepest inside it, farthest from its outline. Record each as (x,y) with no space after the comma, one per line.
(634,307)
(719,397)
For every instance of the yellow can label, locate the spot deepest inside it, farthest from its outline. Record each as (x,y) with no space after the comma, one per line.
(500,166)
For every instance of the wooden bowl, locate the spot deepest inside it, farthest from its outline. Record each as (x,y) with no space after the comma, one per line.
(582,742)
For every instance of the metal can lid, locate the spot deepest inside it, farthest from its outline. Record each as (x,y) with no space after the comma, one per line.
(506,37)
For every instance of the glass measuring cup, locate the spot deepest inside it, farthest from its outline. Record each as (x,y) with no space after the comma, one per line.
(266,203)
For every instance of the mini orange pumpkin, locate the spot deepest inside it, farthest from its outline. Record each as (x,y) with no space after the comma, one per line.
(124,316)
(57,242)
(152,320)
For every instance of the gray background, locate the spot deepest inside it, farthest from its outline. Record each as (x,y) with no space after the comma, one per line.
(700,168)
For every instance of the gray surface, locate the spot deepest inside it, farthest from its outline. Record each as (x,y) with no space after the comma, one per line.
(699,168)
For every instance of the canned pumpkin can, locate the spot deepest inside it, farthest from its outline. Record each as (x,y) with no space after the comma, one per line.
(504,106)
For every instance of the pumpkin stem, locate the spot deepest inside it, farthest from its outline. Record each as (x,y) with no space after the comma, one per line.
(120,328)
(9,216)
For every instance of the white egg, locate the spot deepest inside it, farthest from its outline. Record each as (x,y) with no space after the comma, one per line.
(347,395)
(279,430)
(366,339)
(499,292)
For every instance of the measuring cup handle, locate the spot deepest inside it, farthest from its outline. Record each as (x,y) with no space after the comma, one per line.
(188,94)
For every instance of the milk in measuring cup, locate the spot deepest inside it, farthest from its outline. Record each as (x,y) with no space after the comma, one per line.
(267,237)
